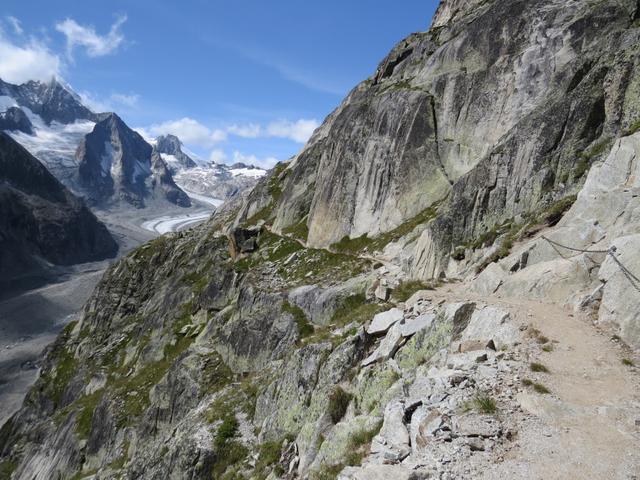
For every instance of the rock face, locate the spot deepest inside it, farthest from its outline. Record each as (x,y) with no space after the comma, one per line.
(115,163)
(40,220)
(14,119)
(52,101)
(495,126)
(170,147)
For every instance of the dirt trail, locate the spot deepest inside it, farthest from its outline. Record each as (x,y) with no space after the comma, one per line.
(589,426)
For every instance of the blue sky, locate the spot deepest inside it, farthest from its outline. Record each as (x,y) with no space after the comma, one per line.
(246,79)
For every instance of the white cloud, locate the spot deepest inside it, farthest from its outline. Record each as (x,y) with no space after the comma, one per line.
(85,36)
(30,61)
(299,131)
(190,131)
(127,100)
(94,103)
(15,24)
(246,131)
(218,156)
(115,102)
(268,162)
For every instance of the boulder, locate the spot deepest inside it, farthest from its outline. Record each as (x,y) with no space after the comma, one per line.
(425,424)
(383,321)
(459,314)
(491,324)
(392,443)
(620,298)
(243,240)
(421,296)
(382,292)
(489,280)
(410,326)
(388,346)
(476,426)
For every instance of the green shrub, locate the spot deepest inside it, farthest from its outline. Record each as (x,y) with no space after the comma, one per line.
(407,288)
(628,362)
(483,403)
(355,308)
(226,431)
(304,327)
(538,367)
(537,387)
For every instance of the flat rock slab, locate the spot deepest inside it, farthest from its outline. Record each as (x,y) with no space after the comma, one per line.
(476,426)
(388,346)
(384,320)
(412,326)
(490,323)
(379,472)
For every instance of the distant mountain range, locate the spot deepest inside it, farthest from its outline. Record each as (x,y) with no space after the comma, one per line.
(102,159)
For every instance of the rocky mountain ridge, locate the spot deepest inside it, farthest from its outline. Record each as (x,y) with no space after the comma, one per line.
(43,224)
(52,101)
(388,304)
(116,163)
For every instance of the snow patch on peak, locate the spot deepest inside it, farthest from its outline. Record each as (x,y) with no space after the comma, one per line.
(248,172)
(6,103)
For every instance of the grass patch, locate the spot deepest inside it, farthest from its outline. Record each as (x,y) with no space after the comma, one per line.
(633,128)
(358,445)
(364,243)
(326,472)
(597,150)
(66,366)
(537,387)
(407,288)
(538,336)
(229,452)
(226,431)
(482,403)
(304,327)
(7,468)
(309,265)
(299,230)
(355,309)
(628,362)
(538,367)
(87,406)
(338,403)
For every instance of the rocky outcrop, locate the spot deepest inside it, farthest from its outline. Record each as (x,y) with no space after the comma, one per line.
(170,147)
(14,119)
(41,222)
(162,184)
(116,164)
(52,101)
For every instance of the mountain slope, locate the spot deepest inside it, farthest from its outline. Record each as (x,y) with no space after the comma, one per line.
(115,163)
(41,221)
